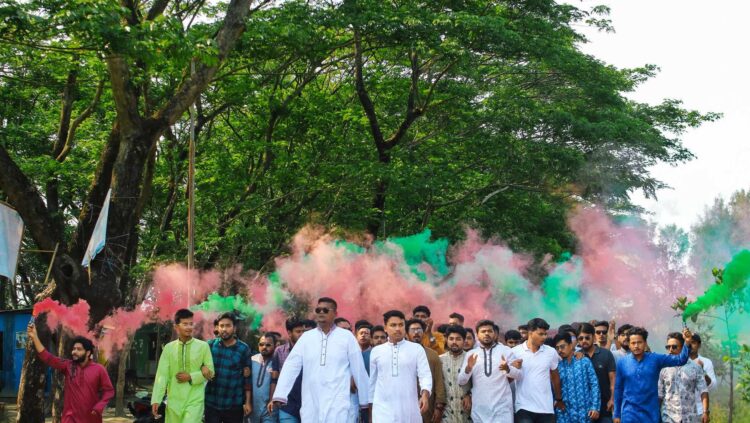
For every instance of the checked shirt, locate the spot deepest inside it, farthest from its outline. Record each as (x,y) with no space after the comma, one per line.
(227,390)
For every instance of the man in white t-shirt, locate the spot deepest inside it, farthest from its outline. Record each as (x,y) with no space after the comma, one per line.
(708,370)
(535,402)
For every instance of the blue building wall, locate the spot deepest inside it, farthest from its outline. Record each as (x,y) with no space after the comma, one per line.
(13,328)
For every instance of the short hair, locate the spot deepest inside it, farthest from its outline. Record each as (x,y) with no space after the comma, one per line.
(422,308)
(328,300)
(513,334)
(602,323)
(309,323)
(696,338)
(228,315)
(275,335)
(560,337)
(293,323)
(586,328)
(566,329)
(216,322)
(678,336)
(362,324)
(392,313)
(415,322)
(470,331)
(377,328)
(623,330)
(271,335)
(537,323)
(523,327)
(460,331)
(485,322)
(458,316)
(338,320)
(182,313)
(496,328)
(638,331)
(85,343)
(442,328)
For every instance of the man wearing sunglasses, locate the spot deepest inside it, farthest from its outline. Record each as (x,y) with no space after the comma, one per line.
(262,373)
(604,367)
(330,357)
(678,387)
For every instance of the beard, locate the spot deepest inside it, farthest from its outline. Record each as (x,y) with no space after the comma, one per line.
(79,359)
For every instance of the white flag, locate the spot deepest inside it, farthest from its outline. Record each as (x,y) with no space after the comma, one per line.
(99,237)
(11,232)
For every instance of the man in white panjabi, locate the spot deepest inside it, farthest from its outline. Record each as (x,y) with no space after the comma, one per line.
(490,371)
(395,369)
(330,358)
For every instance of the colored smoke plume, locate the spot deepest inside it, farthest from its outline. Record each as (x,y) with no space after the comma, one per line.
(617,273)
(74,319)
(734,281)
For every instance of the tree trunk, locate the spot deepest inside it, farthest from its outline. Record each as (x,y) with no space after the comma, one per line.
(122,366)
(730,413)
(58,379)
(32,387)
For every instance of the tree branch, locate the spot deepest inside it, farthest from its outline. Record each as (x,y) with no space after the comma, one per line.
(77,122)
(364,97)
(23,195)
(226,38)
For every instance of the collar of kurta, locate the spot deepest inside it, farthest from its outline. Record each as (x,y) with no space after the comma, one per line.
(489,348)
(186,343)
(399,342)
(333,328)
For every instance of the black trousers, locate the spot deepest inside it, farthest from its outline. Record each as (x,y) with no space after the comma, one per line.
(232,415)
(523,416)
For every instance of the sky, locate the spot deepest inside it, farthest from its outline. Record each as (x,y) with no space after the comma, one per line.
(701,48)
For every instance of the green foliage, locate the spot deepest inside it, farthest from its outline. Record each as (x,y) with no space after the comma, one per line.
(516,124)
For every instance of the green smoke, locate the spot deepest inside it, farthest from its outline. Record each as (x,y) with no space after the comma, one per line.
(734,280)
(418,249)
(233,303)
(562,287)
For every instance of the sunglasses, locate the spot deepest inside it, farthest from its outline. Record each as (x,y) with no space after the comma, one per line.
(601,332)
(584,338)
(322,310)
(671,347)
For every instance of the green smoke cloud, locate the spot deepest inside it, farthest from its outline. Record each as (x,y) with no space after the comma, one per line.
(734,281)
(232,303)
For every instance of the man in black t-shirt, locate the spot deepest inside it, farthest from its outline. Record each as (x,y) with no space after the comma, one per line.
(604,366)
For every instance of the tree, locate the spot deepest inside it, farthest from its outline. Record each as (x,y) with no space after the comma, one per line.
(358,115)
(120,32)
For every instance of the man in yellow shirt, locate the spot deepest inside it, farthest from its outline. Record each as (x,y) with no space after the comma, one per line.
(432,340)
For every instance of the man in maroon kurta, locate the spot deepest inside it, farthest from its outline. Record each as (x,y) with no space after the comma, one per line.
(87,385)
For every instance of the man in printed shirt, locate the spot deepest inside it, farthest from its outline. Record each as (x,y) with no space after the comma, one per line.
(678,387)
(228,393)
(179,373)
(580,387)
(458,406)
(87,385)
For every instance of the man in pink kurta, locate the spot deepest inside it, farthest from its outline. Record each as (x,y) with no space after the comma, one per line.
(87,385)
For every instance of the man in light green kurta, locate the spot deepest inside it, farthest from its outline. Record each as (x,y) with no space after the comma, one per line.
(179,374)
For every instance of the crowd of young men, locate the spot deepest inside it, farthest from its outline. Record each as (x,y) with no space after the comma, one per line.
(407,370)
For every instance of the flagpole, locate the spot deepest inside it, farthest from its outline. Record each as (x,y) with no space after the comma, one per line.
(191,193)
